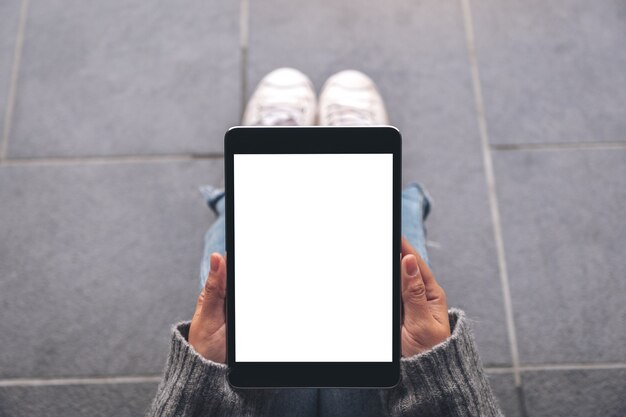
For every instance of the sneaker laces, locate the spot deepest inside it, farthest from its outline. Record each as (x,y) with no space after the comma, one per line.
(279,114)
(346,115)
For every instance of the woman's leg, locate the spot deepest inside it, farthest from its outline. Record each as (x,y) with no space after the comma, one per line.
(215,237)
(415,209)
(367,402)
(298,106)
(285,402)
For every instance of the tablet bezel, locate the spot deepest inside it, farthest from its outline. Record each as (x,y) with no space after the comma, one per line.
(312,140)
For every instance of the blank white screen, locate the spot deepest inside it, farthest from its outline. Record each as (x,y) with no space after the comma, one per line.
(313,245)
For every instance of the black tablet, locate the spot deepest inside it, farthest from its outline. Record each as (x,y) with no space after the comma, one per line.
(313,256)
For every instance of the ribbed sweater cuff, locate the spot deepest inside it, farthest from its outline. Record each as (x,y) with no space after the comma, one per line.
(193,385)
(447,380)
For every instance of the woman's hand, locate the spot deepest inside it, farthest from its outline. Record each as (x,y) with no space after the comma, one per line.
(207,333)
(424,307)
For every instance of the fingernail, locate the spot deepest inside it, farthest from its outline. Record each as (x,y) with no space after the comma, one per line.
(215,262)
(411,266)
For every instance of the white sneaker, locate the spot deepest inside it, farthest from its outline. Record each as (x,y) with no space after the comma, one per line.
(350,98)
(284,97)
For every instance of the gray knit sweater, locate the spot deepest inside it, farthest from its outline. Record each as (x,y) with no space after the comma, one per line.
(447,380)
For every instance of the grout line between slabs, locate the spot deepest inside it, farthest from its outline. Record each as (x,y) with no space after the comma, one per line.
(117,159)
(17,59)
(557,367)
(491,189)
(557,146)
(134,379)
(574,367)
(33,382)
(244,21)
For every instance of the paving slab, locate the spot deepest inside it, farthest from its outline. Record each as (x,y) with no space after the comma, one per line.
(9,20)
(552,72)
(128,399)
(127,77)
(563,229)
(97,262)
(580,393)
(503,386)
(417,55)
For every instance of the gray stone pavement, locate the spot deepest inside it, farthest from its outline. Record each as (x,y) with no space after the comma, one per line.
(513,115)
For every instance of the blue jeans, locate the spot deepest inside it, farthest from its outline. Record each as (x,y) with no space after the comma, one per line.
(323,402)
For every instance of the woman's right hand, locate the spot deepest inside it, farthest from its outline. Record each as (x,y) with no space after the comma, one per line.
(207,334)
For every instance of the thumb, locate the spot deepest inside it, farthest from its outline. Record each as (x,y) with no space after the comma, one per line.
(413,292)
(214,291)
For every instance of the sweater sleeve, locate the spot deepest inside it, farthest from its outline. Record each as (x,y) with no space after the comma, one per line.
(195,386)
(447,380)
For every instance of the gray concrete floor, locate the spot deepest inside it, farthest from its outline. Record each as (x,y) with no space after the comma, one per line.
(513,114)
